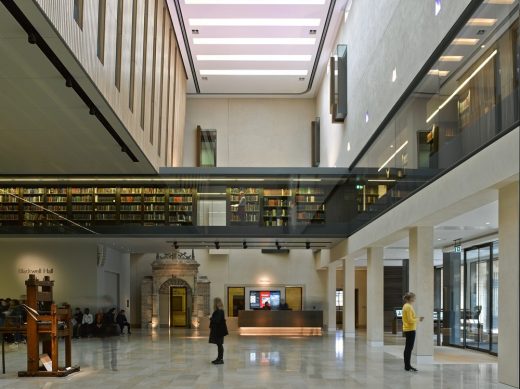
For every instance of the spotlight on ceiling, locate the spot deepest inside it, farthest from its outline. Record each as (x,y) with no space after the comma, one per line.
(175,245)
(68,82)
(307,245)
(217,245)
(244,245)
(92,110)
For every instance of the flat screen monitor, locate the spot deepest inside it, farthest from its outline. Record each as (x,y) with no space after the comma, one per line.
(258,298)
(398,312)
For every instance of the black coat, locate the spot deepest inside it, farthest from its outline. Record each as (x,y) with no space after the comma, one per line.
(218,327)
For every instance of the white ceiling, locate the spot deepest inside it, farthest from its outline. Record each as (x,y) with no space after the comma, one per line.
(183,11)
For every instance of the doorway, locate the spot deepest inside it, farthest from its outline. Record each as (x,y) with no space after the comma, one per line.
(178,311)
(481,298)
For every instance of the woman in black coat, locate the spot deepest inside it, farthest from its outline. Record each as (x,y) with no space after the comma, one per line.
(218,329)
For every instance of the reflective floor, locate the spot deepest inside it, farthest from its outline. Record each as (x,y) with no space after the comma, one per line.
(182,360)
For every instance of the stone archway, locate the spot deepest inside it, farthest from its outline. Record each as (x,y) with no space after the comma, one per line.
(165,296)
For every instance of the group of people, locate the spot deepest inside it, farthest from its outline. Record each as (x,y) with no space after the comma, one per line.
(12,314)
(102,324)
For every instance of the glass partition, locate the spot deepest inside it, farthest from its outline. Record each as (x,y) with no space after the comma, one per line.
(468,98)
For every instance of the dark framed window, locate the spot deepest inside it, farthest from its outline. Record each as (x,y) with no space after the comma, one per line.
(101,30)
(206,147)
(78,12)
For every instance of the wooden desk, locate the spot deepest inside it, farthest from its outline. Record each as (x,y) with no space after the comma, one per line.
(280,322)
(9,330)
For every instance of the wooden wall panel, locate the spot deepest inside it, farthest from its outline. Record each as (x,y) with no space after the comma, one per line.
(82,43)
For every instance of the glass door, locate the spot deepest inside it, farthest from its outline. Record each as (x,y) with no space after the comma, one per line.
(479,295)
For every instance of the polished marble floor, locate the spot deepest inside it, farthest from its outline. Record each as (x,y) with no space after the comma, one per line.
(181,359)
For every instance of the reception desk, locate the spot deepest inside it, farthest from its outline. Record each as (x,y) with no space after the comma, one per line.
(280,322)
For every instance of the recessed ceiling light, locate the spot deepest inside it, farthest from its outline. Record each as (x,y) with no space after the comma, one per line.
(488,223)
(437,72)
(499,1)
(486,22)
(284,22)
(366,117)
(259,2)
(255,57)
(253,72)
(465,41)
(451,58)
(394,75)
(254,41)
(195,32)
(312,32)
(348,146)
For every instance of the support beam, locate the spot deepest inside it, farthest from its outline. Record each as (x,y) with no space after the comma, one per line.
(508,275)
(349,302)
(375,296)
(421,283)
(331,298)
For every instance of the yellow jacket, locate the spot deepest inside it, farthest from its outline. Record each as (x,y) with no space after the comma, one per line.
(409,319)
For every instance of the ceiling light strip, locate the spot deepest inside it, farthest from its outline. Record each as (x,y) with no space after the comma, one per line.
(281,22)
(254,2)
(456,91)
(253,72)
(393,156)
(255,57)
(254,41)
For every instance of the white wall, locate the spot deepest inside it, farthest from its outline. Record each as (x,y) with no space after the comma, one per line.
(374,50)
(244,267)
(252,132)
(72,264)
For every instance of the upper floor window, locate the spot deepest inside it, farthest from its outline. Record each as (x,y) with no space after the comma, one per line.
(78,12)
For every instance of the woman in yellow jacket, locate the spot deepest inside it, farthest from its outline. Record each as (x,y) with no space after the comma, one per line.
(409,326)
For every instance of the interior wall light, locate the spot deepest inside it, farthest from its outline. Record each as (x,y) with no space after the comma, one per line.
(253,72)
(278,247)
(366,117)
(464,83)
(394,74)
(244,244)
(438,7)
(249,22)
(307,245)
(217,245)
(348,146)
(255,57)
(92,110)
(254,41)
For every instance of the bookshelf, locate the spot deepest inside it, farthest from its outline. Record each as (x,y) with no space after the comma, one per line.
(310,205)
(56,200)
(252,207)
(131,205)
(34,198)
(366,196)
(277,207)
(9,206)
(105,204)
(180,206)
(154,206)
(82,205)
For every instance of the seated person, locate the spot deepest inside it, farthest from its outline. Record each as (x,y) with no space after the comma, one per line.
(77,320)
(122,321)
(87,324)
(98,327)
(267,306)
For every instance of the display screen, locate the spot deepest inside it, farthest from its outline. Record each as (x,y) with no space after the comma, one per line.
(257,299)
(398,312)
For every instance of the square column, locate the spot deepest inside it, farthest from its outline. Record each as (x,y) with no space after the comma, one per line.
(508,275)
(331,298)
(420,275)
(375,296)
(349,302)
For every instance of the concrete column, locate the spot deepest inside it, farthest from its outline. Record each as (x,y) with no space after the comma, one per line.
(508,275)
(420,275)
(349,303)
(375,296)
(331,298)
